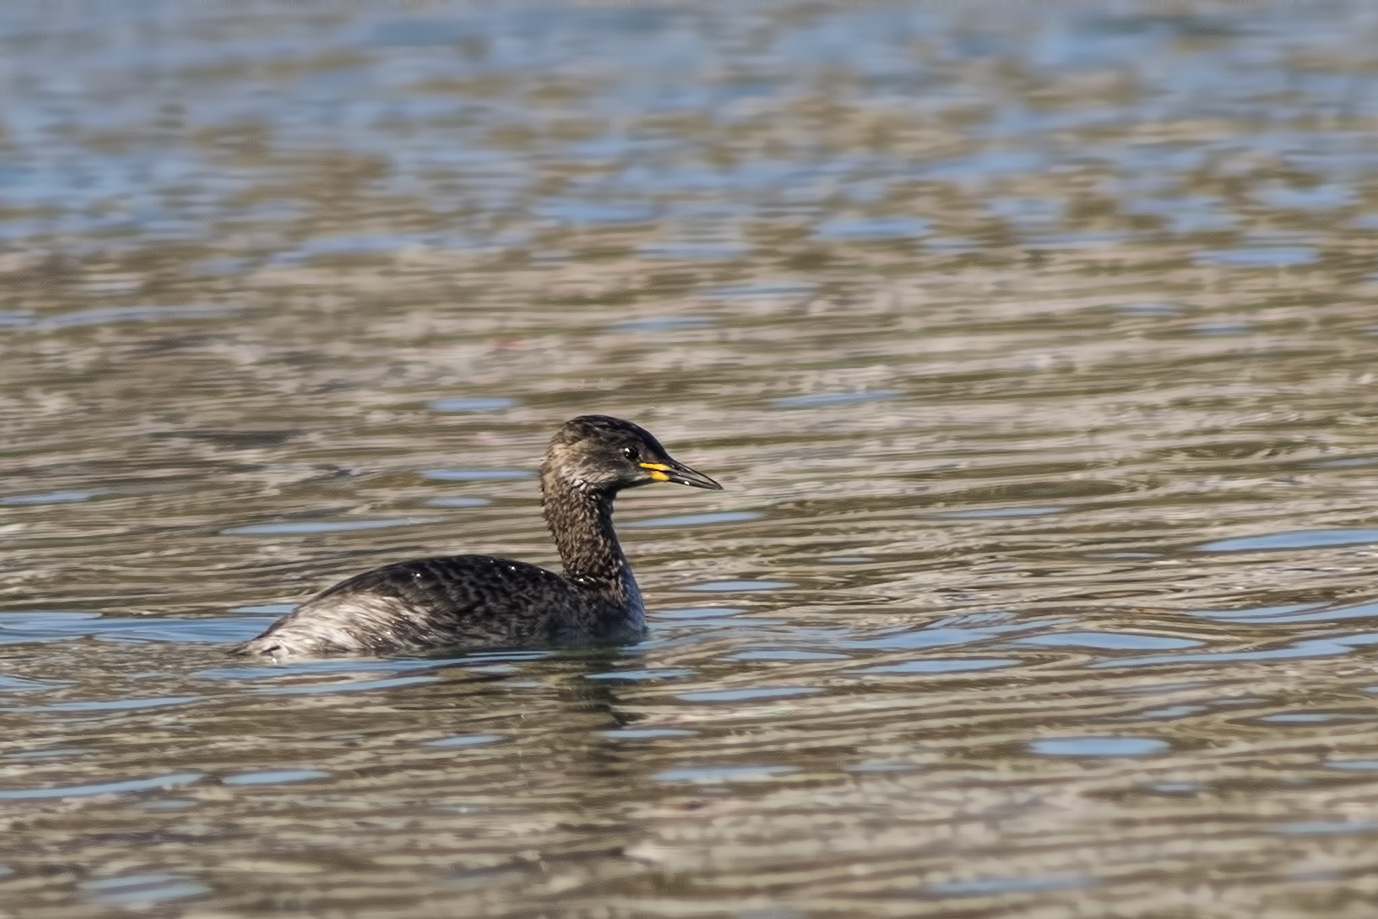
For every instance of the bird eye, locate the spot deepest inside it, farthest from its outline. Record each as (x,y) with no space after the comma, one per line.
(631,453)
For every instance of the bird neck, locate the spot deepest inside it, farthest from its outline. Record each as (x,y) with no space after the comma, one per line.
(580,520)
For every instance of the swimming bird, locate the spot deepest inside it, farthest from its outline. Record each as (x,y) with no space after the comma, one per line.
(477,601)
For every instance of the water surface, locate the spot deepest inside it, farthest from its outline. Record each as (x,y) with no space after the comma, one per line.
(1033,346)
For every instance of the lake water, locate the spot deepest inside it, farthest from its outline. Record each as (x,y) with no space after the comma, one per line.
(1034,345)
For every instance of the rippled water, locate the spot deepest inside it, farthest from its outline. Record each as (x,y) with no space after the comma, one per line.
(1034,345)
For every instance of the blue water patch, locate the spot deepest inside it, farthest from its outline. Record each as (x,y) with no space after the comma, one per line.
(423,31)
(21,627)
(1344,462)
(474,404)
(733,586)
(1148,309)
(19,684)
(477,475)
(112,314)
(321,526)
(758,291)
(464,740)
(380,245)
(51,753)
(1316,647)
(1097,746)
(50,497)
(1291,613)
(1109,641)
(988,886)
(214,630)
(636,676)
(881,766)
(662,323)
(1275,257)
(266,609)
(646,733)
(1314,717)
(746,695)
(457,502)
(1222,328)
(57,622)
(933,637)
(579,211)
(835,398)
(108,314)
(1293,539)
(692,520)
(722,773)
(485,658)
(942,665)
(871,228)
(274,776)
(1324,827)
(118,786)
(987,163)
(785,654)
(136,889)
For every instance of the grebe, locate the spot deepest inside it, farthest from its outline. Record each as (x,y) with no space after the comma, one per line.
(477,601)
